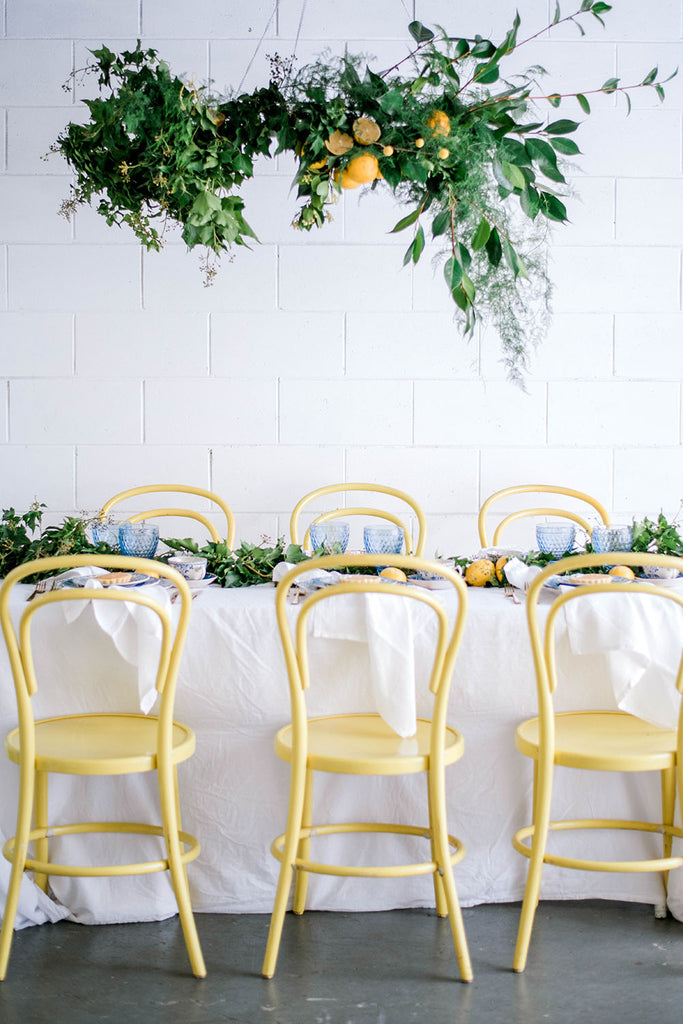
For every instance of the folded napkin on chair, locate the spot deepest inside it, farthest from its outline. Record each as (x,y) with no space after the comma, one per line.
(641,637)
(135,630)
(387,628)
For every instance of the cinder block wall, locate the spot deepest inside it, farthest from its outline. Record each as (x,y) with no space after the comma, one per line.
(317,358)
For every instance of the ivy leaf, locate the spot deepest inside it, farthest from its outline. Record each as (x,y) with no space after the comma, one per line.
(563,127)
(405,222)
(452,271)
(481,235)
(419,32)
(583,103)
(441,223)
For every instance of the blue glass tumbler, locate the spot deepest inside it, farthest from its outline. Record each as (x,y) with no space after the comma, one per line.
(138,539)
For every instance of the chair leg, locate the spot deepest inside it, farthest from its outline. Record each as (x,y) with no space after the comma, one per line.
(304,850)
(168,797)
(24,814)
(437,804)
(40,818)
(668,777)
(542,792)
(439,894)
(297,790)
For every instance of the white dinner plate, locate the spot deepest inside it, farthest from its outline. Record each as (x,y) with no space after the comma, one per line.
(195,584)
(138,579)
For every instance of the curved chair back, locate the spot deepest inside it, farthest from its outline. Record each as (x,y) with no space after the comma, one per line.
(294,638)
(529,512)
(543,641)
(19,640)
(416,548)
(185,513)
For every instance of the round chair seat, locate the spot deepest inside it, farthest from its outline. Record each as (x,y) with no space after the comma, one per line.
(604,741)
(366,745)
(108,744)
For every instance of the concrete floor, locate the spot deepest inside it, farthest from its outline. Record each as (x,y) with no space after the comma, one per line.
(590,961)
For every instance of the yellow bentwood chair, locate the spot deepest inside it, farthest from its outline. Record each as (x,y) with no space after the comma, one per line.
(338,513)
(594,740)
(524,513)
(363,744)
(134,492)
(96,744)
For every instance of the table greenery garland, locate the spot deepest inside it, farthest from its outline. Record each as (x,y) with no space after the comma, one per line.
(23,538)
(460,144)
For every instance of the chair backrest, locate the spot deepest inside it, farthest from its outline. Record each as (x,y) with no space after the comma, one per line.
(18,640)
(338,513)
(134,492)
(449,633)
(528,512)
(543,639)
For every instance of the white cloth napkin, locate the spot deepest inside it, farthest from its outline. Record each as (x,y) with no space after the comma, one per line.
(641,636)
(135,630)
(519,574)
(387,628)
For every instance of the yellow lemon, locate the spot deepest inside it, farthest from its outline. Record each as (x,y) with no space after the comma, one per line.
(392,573)
(339,143)
(499,568)
(345,179)
(625,571)
(388,150)
(479,573)
(363,168)
(419,143)
(365,130)
(439,122)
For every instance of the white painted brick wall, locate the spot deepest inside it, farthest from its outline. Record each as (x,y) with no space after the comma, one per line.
(316,357)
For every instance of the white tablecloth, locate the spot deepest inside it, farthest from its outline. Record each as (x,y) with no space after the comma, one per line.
(233,691)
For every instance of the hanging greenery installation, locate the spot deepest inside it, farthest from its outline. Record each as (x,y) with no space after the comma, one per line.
(459,142)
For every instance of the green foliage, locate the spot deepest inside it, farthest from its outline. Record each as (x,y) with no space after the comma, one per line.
(659,536)
(246,565)
(157,149)
(19,542)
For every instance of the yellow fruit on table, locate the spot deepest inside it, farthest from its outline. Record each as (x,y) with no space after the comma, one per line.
(388,150)
(444,154)
(363,168)
(392,573)
(339,143)
(366,131)
(479,573)
(499,568)
(419,143)
(439,122)
(625,571)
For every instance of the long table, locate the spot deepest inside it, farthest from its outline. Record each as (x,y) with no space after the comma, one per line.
(233,691)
